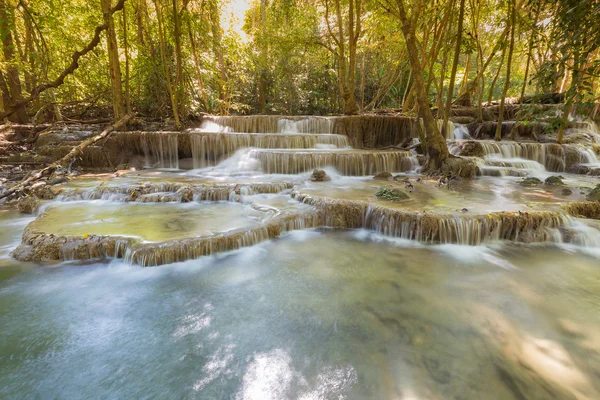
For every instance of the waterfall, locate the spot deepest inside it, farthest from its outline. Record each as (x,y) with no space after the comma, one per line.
(211,126)
(161,192)
(550,156)
(347,162)
(209,149)
(307,125)
(275,124)
(161,149)
(461,132)
(469,230)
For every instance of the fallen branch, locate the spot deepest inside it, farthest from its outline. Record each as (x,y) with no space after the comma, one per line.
(76,151)
(12,108)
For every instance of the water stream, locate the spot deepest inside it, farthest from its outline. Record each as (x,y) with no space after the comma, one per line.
(271,286)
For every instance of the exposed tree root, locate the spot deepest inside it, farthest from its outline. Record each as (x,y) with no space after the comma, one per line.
(451,166)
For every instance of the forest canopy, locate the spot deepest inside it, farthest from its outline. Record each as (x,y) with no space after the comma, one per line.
(178,58)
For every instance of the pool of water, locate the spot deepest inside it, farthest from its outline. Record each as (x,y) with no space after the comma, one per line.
(481,195)
(152,222)
(315,314)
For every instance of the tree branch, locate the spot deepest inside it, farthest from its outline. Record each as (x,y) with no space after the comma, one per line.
(35,93)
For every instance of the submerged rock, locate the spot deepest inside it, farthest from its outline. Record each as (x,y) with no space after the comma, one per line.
(554,180)
(566,192)
(391,194)
(319,175)
(383,176)
(532,181)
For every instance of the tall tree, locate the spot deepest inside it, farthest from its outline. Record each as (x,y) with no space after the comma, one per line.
(114,65)
(436,147)
(454,66)
(345,36)
(10,81)
(513,21)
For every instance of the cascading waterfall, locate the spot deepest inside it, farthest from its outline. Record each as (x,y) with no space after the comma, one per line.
(209,149)
(275,124)
(461,132)
(464,230)
(295,145)
(503,158)
(175,192)
(347,162)
(307,125)
(469,230)
(161,149)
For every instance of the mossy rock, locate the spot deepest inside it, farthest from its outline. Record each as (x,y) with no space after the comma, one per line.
(566,192)
(383,176)
(391,194)
(594,195)
(531,181)
(554,180)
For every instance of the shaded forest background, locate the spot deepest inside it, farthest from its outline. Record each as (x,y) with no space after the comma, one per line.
(176,59)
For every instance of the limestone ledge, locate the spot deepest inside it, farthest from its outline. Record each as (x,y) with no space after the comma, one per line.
(40,246)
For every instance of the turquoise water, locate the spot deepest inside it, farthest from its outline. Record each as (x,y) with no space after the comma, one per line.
(312,315)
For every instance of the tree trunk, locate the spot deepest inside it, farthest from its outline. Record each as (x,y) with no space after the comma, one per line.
(454,67)
(178,84)
(12,93)
(436,147)
(165,61)
(218,51)
(198,67)
(114,67)
(493,84)
(262,73)
(75,57)
(513,132)
(126,48)
(513,13)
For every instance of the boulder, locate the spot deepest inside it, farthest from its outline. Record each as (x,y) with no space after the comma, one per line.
(554,180)
(532,181)
(566,192)
(28,204)
(391,194)
(383,176)
(594,195)
(319,175)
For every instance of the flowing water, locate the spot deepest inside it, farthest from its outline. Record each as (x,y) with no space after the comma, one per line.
(315,314)
(271,286)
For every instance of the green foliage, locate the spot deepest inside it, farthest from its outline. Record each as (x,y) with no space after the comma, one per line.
(286,57)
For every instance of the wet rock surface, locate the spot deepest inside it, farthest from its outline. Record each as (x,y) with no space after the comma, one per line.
(319,175)
(532,181)
(594,195)
(383,176)
(554,180)
(29,204)
(391,194)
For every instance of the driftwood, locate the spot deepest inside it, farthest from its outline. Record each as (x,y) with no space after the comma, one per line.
(77,150)
(12,108)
